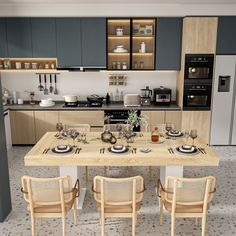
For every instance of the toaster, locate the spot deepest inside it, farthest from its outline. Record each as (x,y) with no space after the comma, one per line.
(132,100)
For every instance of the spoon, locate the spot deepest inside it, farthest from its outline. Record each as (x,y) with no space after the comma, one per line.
(40,87)
(45,88)
(55,89)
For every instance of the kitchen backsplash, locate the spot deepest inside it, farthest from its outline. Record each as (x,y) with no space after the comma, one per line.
(87,83)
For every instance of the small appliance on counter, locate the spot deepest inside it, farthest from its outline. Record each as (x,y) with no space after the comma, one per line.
(95,100)
(162,96)
(132,100)
(146,95)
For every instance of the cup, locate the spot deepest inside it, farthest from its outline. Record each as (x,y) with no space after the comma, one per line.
(20,101)
(18,65)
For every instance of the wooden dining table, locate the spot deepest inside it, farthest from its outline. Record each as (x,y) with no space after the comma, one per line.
(163,154)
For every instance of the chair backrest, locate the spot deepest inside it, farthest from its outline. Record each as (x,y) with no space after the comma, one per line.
(79,127)
(47,191)
(118,191)
(189,191)
(117,127)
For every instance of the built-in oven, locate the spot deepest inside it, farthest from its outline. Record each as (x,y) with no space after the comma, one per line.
(198,68)
(118,117)
(197,97)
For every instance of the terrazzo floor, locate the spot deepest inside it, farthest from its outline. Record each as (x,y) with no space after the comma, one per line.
(221,219)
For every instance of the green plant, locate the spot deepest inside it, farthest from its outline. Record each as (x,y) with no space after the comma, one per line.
(134,119)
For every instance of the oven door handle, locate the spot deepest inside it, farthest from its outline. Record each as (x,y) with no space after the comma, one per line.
(118,120)
(197,89)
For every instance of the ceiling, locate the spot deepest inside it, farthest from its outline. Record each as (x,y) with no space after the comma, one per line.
(197,2)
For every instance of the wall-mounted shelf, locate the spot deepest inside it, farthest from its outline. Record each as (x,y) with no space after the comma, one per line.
(28,64)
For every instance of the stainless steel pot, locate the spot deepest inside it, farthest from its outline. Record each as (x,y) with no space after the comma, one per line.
(70,98)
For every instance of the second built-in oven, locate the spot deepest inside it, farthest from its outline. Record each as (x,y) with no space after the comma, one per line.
(197,97)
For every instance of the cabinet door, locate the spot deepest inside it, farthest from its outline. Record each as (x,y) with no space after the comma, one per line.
(45,121)
(226,35)
(68,34)
(154,118)
(199,34)
(93,41)
(3,38)
(22,127)
(44,37)
(93,118)
(168,43)
(19,37)
(174,117)
(199,120)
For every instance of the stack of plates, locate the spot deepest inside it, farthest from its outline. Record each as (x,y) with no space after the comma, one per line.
(118,149)
(187,149)
(120,49)
(174,133)
(62,149)
(47,103)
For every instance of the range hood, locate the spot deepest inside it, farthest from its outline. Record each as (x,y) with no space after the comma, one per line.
(82,68)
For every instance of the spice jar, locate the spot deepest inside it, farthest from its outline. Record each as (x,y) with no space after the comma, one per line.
(124,66)
(118,66)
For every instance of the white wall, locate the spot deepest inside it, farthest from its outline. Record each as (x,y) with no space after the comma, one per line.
(87,83)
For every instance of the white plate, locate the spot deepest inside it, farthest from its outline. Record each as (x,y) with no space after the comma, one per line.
(118,150)
(175,135)
(62,150)
(120,50)
(186,150)
(161,140)
(145,150)
(47,105)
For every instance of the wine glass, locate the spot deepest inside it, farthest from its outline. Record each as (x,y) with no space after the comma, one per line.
(59,127)
(186,133)
(168,128)
(193,134)
(74,134)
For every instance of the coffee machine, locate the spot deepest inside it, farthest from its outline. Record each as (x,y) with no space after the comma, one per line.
(146,96)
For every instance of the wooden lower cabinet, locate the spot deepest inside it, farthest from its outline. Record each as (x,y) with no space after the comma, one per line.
(154,118)
(174,117)
(200,120)
(45,121)
(93,118)
(22,127)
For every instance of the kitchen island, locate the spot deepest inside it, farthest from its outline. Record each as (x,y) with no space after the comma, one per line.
(91,155)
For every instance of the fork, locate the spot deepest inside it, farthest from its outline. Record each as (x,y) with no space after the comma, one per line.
(45,151)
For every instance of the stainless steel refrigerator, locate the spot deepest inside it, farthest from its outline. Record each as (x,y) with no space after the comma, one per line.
(223,123)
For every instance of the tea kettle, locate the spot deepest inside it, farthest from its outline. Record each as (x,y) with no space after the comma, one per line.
(147,93)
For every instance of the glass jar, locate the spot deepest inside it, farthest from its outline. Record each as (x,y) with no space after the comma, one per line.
(155,135)
(124,66)
(118,66)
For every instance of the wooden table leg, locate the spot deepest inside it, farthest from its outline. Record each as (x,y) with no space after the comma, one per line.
(75,173)
(170,171)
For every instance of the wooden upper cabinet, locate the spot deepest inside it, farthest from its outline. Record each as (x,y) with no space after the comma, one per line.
(45,121)
(199,34)
(22,127)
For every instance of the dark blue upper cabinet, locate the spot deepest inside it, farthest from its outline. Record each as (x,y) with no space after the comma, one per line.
(44,37)
(168,43)
(19,41)
(3,38)
(93,42)
(226,35)
(68,34)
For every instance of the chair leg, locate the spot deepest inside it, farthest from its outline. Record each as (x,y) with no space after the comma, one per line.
(172,225)
(32,224)
(203,225)
(75,212)
(103,225)
(86,173)
(133,224)
(161,212)
(195,221)
(105,171)
(63,225)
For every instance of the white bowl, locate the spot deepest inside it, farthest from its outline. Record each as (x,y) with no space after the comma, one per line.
(47,101)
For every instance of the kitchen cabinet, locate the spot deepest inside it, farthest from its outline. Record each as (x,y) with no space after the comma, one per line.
(44,37)
(45,121)
(200,120)
(154,118)
(199,34)
(93,118)
(3,38)
(68,37)
(174,117)
(226,35)
(19,40)
(168,43)
(22,127)
(93,46)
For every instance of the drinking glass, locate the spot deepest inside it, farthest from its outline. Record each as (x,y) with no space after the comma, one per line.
(59,127)
(193,134)
(168,128)
(186,133)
